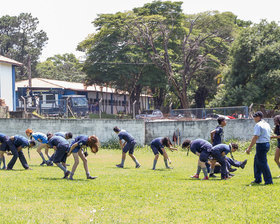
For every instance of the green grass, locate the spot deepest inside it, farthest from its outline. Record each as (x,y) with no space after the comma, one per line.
(136,195)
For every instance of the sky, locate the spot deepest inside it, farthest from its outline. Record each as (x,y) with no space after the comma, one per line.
(68,22)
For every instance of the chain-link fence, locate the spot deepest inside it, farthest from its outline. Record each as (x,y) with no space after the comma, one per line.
(211,113)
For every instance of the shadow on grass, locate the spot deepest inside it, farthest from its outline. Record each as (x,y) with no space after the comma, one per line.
(168,170)
(56,178)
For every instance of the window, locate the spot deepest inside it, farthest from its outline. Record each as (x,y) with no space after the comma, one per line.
(50,98)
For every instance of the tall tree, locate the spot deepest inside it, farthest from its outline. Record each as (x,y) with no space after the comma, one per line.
(20,39)
(254,69)
(61,67)
(112,60)
(181,45)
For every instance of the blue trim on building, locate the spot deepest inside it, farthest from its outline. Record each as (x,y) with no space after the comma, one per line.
(14,87)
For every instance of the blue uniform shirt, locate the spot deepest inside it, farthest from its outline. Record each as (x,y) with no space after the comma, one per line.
(277,132)
(263,130)
(3,138)
(199,145)
(20,141)
(57,140)
(125,136)
(222,148)
(40,136)
(219,132)
(157,143)
(61,134)
(81,140)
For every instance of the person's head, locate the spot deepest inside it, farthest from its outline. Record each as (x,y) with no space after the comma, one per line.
(116,129)
(49,135)
(222,121)
(32,143)
(28,132)
(277,120)
(93,143)
(234,147)
(166,142)
(68,135)
(186,143)
(258,116)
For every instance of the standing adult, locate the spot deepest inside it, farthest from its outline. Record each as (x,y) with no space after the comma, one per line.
(261,138)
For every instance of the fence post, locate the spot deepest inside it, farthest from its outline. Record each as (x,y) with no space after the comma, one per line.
(100,104)
(133,109)
(24,106)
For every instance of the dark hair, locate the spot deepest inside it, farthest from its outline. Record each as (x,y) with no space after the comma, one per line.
(166,142)
(186,143)
(234,145)
(116,129)
(69,134)
(32,142)
(50,135)
(220,119)
(276,128)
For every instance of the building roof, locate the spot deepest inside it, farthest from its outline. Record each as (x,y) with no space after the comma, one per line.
(9,61)
(76,86)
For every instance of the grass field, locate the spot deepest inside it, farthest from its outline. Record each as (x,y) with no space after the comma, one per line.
(136,195)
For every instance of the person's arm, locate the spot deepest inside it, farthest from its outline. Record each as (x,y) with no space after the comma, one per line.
(172,149)
(276,136)
(42,146)
(72,147)
(121,144)
(165,154)
(212,133)
(253,142)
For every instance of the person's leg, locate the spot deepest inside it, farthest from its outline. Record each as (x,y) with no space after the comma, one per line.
(23,160)
(39,150)
(84,159)
(257,169)
(155,161)
(131,151)
(58,158)
(263,163)
(277,156)
(2,158)
(75,165)
(203,158)
(165,158)
(15,155)
(47,153)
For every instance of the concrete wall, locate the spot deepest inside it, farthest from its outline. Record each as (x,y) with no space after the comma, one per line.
(143,132)
(235,129)
(102,128)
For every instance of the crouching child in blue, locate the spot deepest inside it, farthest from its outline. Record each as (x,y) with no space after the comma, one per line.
(157,146)
(127,146)
(82,142)
(219,153)
(61,147)
(15,145)
(202,149)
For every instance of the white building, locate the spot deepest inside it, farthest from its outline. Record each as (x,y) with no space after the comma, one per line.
(7,81)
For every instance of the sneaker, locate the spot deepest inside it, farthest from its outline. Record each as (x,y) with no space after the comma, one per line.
(49,163)
(66,175)
(119,166)
(212,175)
(169,167)
(4,168)
(28,168)
(138,165)
(67,164)
(90,177)
(206,178)
(196,176)
(254,182)
(243,164)
(232,170)
(70,178)
(43,163)
(231,175)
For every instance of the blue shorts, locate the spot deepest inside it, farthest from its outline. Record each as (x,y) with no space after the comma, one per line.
(204,155)
(156,150)
(129,146)
(60,154)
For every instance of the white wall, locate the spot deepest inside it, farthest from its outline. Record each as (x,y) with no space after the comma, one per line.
(6,84)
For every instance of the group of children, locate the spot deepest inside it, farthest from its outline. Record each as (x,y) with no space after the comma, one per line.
(58,141)
(212,156)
